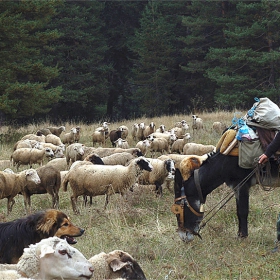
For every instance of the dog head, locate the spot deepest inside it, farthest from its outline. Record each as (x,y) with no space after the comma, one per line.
(56,223)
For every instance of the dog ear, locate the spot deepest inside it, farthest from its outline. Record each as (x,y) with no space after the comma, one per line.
(46,226)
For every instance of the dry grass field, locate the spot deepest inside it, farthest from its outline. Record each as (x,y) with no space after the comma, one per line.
(145,227)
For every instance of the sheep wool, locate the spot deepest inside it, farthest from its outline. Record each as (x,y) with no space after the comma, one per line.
(106,180)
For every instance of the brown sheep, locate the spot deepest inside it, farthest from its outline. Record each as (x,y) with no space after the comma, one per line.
(50,183)
(56,130)
(12,184)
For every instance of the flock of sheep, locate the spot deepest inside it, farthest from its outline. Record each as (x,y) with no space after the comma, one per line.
(98,170)
(91,171)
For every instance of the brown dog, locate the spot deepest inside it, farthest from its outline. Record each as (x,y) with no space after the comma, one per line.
(19,234)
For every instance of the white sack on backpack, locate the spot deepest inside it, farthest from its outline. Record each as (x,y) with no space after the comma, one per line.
(265,114)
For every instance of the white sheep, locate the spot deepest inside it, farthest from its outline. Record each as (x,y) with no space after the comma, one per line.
(103,152)
(162,171)
(140,132)
(143,146)
(59,164)
(180,124)
(51,138)
(94,180)
(218,127)
(197,123)
(53,258)
(124,130)
(159,145)
(56,130)
(38,138)
(134,131)
(121,143)
(169,136)
(149,129)
(99,136)
(178,145)
(69,138)
(78,134)
(118,158)
(13,183)
(116,265)
(177,158)
(161,129)
(26,143)
(74,152)
(181,131)
(27,156)
(50,145)
(197,149)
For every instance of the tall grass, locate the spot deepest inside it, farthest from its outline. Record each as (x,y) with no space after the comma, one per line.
(144,226)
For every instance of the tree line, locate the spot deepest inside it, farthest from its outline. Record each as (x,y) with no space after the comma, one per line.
(93,60)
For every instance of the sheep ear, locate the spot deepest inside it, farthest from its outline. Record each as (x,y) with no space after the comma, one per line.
(116,264)
(46,250)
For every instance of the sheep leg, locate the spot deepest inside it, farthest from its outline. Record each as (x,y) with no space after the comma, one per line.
(158,189)
(10,204)
(74,204)
(27,202)
(55,200)
(106,200)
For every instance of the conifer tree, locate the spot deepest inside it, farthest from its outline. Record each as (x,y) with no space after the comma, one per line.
(25,80)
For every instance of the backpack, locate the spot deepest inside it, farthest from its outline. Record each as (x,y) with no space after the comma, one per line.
(264,113)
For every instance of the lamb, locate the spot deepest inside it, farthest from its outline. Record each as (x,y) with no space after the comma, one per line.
(178,145)
(94,180)
(149,129)
(143,146)
(51,138)
(125,131)
(56,130)
(121,143)
(74,152)
(48,259)
(134,131)
(197,123)
(197,149)
(162,170)
(69,138)
(50,183)
(159,145)
(116,264)
(140,132)
(29,157)
(114,135)
(12,184)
